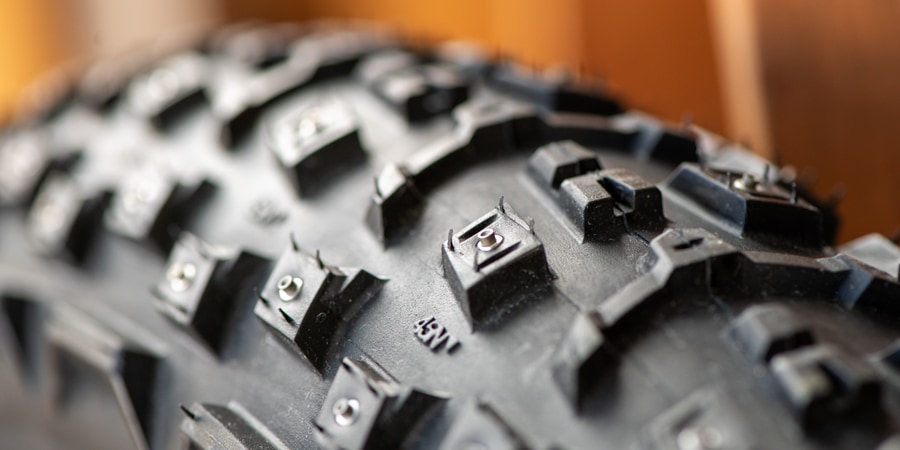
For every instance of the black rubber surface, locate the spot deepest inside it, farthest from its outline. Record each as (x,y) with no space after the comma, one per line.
(198,257)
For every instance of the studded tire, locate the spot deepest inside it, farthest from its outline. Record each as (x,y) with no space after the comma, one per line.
(195,255)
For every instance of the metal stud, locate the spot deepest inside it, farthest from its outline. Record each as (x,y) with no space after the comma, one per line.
(140,191)
(747,183)
(181,276)
(488,240)
(308,126)
(346,411)
(311,123)
(699,438)
(289,287)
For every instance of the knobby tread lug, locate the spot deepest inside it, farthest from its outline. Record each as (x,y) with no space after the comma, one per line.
(487,278)
(638,200)
(170,90)
(366,408)
(395,204)
(669,146)
(156,205)
(553,163)
(65,219)
(821,382)
(752,205)
(315,143)
(309,304)
(764,331)
(26,161)
(203,285)
(422,92)
(588,205)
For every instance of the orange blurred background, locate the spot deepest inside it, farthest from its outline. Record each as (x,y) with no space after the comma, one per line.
(810,80)
(30,45)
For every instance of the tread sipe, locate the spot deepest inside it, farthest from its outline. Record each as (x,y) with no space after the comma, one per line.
(318,236)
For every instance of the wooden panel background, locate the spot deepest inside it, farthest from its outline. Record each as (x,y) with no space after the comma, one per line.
(32,41)
(832,76)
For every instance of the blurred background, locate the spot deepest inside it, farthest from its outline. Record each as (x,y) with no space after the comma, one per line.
(807,83)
